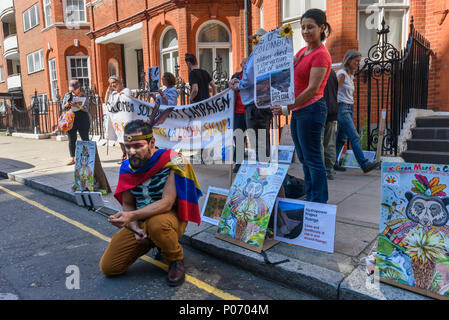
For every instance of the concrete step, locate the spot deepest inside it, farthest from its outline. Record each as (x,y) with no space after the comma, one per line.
(430,145)
(433,157)
(430,133)
(433,122)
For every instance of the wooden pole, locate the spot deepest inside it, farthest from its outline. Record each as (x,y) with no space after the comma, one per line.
(380,140)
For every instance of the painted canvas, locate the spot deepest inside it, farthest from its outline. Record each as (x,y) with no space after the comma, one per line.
(348,159)
(250,202)
(214,204)
(413,245)
(84,165)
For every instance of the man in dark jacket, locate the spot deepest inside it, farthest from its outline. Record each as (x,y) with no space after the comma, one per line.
(328,135)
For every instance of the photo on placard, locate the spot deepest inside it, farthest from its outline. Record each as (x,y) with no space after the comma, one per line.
(348,159)
(285,153)
(153,81)
(214,204)
(280,80)
(289,219)
(263,95)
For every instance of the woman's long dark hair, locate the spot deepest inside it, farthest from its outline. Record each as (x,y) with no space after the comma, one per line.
(320,18)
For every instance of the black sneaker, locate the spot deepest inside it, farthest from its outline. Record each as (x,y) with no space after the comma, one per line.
(370,166)
(338,167)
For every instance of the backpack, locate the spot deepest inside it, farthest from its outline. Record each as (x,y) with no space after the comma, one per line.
(294,187)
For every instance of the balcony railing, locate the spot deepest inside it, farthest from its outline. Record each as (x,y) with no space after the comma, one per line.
(11,48)
(14,82)
(6,10)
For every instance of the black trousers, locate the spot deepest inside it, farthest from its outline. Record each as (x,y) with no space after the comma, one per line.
(259,119)
(81,124)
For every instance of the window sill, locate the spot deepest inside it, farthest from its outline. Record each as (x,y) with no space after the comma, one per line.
(37,71)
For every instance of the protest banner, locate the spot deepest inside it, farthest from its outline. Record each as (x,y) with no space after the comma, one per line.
(206,124)
(307,224)
(273,69)
(413,244)
(248,208)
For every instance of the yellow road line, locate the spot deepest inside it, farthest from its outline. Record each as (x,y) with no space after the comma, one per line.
(196,282)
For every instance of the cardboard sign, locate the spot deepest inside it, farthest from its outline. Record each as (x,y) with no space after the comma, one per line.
(307,224)
(214,205)
(413,244)
(285,153)
(84,165)
(273,70)
(249,204)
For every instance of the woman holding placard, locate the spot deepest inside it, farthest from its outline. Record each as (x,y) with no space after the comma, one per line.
(312,66)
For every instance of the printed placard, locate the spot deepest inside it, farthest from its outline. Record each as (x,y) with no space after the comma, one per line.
(273,69)
(84,165)
(348,159)
(413,244)
(306,224)
(153,79)
(285,153)
(214,205)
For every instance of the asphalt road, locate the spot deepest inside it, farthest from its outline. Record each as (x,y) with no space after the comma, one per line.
(50,249)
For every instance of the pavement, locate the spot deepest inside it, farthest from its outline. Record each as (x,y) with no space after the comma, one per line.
(41,164)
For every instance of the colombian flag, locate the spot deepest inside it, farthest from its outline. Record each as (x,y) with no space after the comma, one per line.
(187,186)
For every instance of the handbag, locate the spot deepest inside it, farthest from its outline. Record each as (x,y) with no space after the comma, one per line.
(66,120)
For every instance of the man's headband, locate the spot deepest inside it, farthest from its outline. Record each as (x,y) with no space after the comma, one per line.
(135,138)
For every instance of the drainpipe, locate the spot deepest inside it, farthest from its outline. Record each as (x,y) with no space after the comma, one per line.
(246,28)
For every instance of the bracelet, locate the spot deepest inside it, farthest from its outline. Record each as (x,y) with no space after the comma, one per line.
(285,110)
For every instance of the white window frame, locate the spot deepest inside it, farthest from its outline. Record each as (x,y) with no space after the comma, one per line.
(69,70)
(2,74)
(42,98)
(34,9)
(66,18)
(53,76)
(215,45)
(47,12)
(383,6)
(169,50)
(261,16)
(37,67)
(297,18)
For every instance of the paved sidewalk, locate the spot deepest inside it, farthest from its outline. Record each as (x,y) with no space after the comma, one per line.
(341,275)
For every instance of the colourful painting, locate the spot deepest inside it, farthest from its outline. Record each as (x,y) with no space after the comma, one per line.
(84,165)
(250,202)
(214,204)
(348,159)
(413,245)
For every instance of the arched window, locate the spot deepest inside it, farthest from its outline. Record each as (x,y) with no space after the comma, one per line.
(214,40)
(169,50)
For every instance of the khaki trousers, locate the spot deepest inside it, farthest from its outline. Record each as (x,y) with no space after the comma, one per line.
(163,231)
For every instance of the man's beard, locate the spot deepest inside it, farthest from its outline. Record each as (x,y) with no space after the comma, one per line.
(136,162)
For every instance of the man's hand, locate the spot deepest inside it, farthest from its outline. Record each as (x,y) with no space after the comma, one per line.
(276,110)
(134,225)
(234,84)
(120,219)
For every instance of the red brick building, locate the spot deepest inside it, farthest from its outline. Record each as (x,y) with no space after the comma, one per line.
(127,37)
(44,44)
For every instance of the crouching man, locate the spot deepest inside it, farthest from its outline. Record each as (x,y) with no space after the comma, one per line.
(159,192)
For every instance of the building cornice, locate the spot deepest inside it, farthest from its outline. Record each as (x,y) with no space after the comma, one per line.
(136,18)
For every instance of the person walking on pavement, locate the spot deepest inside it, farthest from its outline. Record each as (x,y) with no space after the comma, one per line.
(159,193)
(239,112)
(328,136)
(346,128)
(312,66)
(115,89)
(199,80)
(81,122)
(258,121)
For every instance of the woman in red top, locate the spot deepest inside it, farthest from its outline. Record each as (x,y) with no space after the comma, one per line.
(312,68)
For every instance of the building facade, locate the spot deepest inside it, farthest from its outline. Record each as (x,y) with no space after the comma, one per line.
(44,45)
(130,36)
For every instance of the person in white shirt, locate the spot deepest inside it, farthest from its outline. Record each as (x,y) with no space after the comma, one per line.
(346,129)
(113,92)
